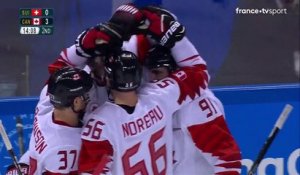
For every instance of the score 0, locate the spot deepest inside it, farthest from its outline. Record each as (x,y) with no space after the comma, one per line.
(47,12)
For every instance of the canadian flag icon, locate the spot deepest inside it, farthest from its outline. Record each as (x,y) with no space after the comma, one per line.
(36,21)
(181,75)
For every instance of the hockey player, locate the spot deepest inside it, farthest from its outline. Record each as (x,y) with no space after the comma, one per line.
(135,130)
(73,57)
(55,141)
(127,28)
(202,141)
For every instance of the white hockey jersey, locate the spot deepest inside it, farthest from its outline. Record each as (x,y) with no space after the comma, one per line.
(54,146)
(202,141)
(55,142)
(140,142)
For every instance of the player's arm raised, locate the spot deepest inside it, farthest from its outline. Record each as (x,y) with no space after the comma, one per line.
(67,57)
(102,39)
(167,31)
(227,155)
(92,42)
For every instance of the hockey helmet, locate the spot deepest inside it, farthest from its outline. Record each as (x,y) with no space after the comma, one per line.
(123,71)
(68,83)
(159,56)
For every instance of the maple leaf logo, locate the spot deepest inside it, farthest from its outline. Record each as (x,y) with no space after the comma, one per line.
(190,81)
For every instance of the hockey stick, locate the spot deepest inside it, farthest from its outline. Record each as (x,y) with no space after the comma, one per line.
(19,127)
(277,127)
(9,147)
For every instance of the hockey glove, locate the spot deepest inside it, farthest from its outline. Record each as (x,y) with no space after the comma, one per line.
(12,170)
(98,41)
(163,27)
(128,20)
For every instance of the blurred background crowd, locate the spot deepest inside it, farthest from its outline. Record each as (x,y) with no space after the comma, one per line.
(240,49)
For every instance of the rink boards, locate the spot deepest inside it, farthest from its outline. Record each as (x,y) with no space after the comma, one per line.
(251,113)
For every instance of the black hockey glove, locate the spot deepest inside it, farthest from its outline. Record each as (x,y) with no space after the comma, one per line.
(128,20)
(163,27)
(100,40)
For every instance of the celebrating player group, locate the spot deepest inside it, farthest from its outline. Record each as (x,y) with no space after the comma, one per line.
(130,97)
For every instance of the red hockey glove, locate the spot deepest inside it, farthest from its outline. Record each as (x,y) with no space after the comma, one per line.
(12,170)
(163,27)
(128,20)
(99,40)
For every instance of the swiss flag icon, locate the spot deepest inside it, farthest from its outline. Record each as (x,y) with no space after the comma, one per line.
(36,12)
(36,21)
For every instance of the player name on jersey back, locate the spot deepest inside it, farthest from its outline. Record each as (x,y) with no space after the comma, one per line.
(134,127)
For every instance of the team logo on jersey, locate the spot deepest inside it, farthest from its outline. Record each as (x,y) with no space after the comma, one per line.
(181,75)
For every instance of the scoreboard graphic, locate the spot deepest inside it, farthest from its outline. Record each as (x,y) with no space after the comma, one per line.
(36,21)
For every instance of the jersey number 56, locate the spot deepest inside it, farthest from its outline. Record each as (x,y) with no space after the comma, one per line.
(155,154)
